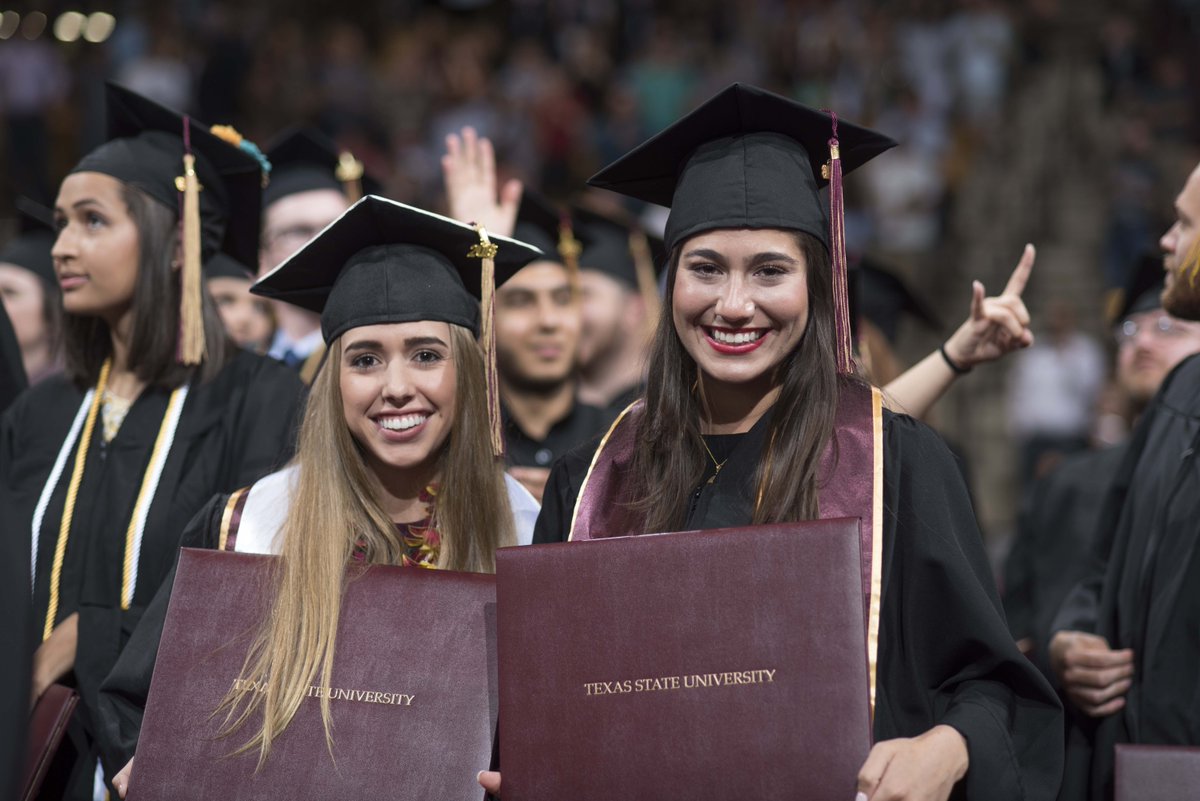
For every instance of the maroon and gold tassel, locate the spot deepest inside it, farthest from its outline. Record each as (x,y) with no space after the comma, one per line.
(643,264)
(350,173)
(192,350)
(837,252)
(485,250)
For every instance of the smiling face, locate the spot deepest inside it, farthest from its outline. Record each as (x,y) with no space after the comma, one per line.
(397,383)
(1181,253)
(96,253)
(537,326)
(740,302)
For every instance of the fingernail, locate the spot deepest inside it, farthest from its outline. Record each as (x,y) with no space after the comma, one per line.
(479,776)
(860,797)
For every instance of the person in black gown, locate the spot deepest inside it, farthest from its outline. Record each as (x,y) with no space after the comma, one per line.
(1124,642)
(752,350)
(157,410)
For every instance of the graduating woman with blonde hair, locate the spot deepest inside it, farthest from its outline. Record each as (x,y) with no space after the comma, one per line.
(396,458)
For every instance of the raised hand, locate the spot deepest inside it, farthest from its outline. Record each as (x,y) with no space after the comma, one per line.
(469,174)
(996,326)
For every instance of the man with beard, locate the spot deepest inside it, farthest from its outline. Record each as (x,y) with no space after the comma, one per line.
(619,303)
(1124,643)
(1062,512)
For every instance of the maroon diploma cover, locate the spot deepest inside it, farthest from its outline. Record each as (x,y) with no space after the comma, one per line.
(47,725)
(1156,772)
(721,664)
(413,693)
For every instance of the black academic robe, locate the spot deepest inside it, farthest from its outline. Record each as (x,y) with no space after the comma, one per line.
(232,430)
(945,654)
(1141,590)
(1055,534)
(581,424)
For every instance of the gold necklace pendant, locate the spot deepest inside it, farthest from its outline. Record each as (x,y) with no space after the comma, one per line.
(716,465)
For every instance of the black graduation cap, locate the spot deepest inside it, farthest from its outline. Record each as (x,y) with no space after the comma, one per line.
(31,247)
(304,159)
(1143,289)
(146,148)
(385,262)
(610,247)
(221,266)
(883,298)
(747,158)
(548,228)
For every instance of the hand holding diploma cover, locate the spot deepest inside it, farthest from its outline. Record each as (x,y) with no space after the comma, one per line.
(702,665)
(412,694)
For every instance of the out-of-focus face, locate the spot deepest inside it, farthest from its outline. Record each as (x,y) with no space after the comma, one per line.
(1150,344)
(537,327)
(603,305)
(96,252)
(1181,253)
(24,296)
(398,385)
(247,318)
(293,220)
(740,302)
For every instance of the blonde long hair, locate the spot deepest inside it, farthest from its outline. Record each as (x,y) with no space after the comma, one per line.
(337,492)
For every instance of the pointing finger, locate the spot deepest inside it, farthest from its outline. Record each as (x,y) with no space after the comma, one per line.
(1020,276)
(977,300)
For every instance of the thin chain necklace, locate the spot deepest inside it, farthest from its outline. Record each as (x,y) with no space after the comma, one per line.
(716,465)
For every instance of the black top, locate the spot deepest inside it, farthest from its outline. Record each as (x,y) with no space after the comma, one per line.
(232,430)
(581,424)
(1140,590)
(746,158)
(945,654)
(1055,534)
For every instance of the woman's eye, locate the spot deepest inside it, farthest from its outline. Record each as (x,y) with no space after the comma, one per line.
(364,361)
(93,220)
(427,356)
(704,268)
(771,271)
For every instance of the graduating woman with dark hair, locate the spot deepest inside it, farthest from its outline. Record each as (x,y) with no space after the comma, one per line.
(753,414)
(157,410)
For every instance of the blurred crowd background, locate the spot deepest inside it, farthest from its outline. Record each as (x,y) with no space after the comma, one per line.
(1067,123)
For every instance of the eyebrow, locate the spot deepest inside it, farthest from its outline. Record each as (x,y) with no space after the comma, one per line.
(87,201)
(758,258)
(410,342)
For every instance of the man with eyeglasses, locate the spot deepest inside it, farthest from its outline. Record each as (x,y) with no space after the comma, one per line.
(1125,643)
(311,184)
(1061,513)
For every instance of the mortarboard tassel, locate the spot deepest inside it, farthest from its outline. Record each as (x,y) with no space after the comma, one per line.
(832,171)
(643,264)
(192,348)
(350,173)
(569,249)
(486,250)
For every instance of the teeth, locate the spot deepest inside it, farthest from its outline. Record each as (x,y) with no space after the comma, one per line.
(402,423)
(740,338)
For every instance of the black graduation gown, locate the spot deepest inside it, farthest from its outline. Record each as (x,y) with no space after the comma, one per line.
(1055,535)
(1140,591)
(581,424)
(945,654)
(232,430)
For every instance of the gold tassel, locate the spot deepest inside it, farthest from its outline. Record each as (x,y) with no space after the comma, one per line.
(486,251)
(192,348)
(643,264)
(350,173)
(569,250)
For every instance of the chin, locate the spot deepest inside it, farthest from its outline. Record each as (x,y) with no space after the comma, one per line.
(1182,300)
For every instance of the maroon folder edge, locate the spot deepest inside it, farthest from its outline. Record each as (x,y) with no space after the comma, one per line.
(414,703)
(704,665)
(1157,772)
(47,726)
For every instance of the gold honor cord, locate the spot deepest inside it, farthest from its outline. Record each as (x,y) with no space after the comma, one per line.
(150,479)
(64,525)
(876,543)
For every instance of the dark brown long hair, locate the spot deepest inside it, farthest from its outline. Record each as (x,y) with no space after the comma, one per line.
(670,461)
(152,347)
